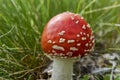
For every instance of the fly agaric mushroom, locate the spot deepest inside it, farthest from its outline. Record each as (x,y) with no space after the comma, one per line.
(66,37)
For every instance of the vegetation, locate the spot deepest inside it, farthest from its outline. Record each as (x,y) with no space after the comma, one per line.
(22,23)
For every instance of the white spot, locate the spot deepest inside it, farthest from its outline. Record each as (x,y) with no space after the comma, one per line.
(53,51)
(83,27)
(55,54)
(84,33)
(90,44)
(72,18)
(87,50)
(83,38)
(76,15)
(70,41)
(62,40)
(69,53)
(78,44)
(61,54)
(53,42)
(77,22)
(91,37)
(49,41)
(92,49)
(86,44)
(88,25)
(88,35)
(79,55)
(81,33)
(75,57)
(73,49)
(86,54)
(58,47)
(78,35)
(82,17)
(93,40)
(64,57)
(61,33)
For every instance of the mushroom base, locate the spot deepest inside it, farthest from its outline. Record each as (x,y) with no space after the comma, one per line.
(62,68)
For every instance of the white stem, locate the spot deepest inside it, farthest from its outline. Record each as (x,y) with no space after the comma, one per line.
(62,68)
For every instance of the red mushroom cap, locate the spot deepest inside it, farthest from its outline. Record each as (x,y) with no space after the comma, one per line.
(67,35)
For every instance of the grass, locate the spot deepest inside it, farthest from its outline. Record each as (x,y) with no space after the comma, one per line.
(22,23)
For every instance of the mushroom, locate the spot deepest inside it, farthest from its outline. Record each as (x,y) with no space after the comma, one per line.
(66,37)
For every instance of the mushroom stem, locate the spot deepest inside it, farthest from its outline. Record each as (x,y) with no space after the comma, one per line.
(62,68)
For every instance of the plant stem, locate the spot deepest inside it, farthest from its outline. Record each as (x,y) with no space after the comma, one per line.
(62,68)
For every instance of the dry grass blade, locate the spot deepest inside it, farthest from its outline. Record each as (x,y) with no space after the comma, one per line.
(101,9)
(7,32)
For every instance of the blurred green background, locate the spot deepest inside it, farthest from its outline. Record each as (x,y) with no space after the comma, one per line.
(22,23)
